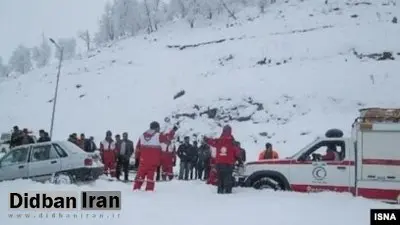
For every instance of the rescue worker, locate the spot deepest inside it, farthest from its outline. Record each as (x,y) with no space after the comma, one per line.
(148,151)
(125,151)
(212,177)
(268,153)
(108,152)
(227,153)
(168,160)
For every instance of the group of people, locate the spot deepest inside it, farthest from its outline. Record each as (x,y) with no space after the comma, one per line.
(155,153)
(86,144)
(24,137)
(196,160)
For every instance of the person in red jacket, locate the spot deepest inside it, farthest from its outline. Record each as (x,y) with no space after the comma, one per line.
(168,161)
(227,153)
(108,151)
(148,151)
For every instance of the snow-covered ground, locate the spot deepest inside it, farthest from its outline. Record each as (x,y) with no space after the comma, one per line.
(310,81)
(182,203)
(321,85)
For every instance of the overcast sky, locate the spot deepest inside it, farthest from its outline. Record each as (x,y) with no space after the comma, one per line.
(23,21)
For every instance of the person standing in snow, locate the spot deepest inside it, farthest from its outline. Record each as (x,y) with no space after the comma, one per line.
(125,151)
(43,137)
(194,157)
(90,146)
(227,153)
(268,153)
(204,156)
(184,154)
(26,138)
(108,150)
(148,151)
(81,141)
(16,137)
(168,159)
(242,152)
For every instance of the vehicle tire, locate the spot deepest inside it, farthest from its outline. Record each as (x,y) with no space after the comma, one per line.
(267,182)
(63,178)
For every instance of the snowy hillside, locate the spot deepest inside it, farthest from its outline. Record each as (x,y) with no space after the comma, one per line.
(284,77)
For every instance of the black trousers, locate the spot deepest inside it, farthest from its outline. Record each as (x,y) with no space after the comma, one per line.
(200,171)
(225,181)
(123,163)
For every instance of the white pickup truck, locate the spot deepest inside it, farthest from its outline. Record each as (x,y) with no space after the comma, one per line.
(367,163)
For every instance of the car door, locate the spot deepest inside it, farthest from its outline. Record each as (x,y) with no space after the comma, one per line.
(309,174)
(14,165)
(44,162)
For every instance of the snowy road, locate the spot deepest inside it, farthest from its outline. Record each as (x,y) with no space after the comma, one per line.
(192,202)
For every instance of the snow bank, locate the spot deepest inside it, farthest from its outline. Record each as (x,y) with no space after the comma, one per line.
(194,202)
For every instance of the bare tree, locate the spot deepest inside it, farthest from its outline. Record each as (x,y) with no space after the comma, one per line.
(148,14)
(85,36)
(231,13)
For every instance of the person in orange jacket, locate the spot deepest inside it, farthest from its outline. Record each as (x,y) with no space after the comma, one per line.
(268,153)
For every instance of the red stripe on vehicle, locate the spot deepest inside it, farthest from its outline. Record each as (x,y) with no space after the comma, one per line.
(387,162)
(287,162)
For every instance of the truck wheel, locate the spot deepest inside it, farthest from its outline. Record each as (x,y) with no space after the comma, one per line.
(63,178)
(267,182)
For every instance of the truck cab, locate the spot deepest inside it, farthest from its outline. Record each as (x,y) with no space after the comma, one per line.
(366,164)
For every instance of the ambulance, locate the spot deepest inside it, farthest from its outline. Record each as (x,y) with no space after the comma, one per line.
(367,164)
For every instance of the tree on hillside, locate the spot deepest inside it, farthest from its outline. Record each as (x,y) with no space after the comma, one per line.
(193,8)
(106,30)
(208,8)
(69,48)
(41,54)
(179,7)
(124,16)
(262,4)
(20,60)
(85,36)
(228,5)
(4,70)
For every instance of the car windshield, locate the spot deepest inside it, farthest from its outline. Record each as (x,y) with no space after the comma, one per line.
(297,154)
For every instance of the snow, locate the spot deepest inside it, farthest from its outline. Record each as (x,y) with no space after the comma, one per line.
(197,200)
(131,83)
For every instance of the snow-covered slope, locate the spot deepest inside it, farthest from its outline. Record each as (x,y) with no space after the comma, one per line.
(198,204)
(292,73)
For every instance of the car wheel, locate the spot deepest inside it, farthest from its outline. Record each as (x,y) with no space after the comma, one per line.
(63,178)
(266,182)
